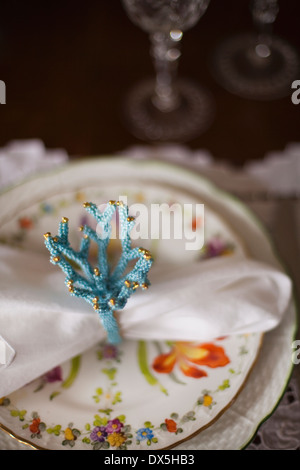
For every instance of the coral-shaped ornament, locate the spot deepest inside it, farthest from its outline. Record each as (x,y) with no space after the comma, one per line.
(106,289)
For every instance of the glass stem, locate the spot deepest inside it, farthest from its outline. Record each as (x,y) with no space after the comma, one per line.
(165,52)
(264,13)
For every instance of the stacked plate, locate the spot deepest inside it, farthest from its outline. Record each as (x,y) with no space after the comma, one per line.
(129,397)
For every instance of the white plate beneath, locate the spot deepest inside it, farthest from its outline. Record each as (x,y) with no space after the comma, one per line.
(33,208)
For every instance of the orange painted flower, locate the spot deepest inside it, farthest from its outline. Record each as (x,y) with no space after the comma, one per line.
(171,425)
(34,427)
(25,223)
(185,354)
(196,223)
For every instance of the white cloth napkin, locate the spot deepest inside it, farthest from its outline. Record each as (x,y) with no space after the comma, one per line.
(278,171)
(42,325)
(22,158)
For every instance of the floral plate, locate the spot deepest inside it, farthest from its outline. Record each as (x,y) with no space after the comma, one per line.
(141,395)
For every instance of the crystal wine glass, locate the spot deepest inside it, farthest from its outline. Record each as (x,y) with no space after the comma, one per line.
(257,65)
(166,108)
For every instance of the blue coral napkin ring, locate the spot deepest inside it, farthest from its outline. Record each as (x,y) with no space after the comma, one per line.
(106,289)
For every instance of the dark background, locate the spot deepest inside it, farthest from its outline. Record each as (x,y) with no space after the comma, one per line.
(67,66)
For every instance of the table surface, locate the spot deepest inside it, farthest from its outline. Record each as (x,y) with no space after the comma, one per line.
(67,67)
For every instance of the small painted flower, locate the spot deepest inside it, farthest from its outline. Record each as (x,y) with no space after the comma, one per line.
(110,351)
(217,247)
(196,223)
(116,439)
(80,196)
(69,436)
(171,425)
(98,434)
(26,223)
(34,426)
(114,426)
(84,220)
(4,401)
(47,208)
(207,400)
(144,433)
(54,375)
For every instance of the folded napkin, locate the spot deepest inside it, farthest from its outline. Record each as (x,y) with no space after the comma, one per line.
(22,158)
(41,325)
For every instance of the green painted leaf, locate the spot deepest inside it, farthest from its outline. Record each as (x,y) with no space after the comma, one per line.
(76,432)
(53,395)
(117,398)
(143,364)
(106,411)
(121,418)
(75,366)
(225,384)
(42,427)
(110,372)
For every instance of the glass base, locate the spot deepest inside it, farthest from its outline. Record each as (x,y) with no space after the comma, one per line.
(190,119)
(254,71)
